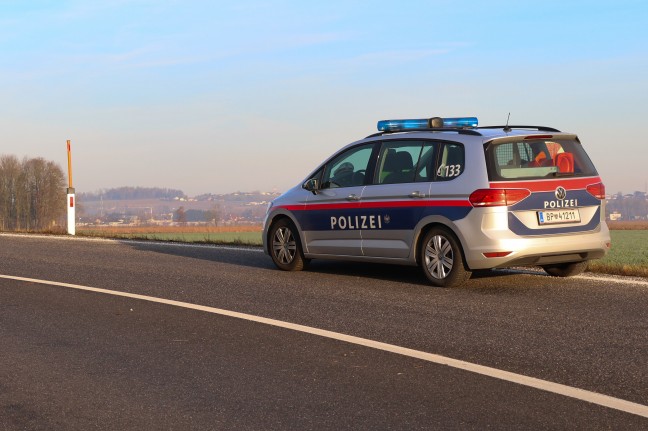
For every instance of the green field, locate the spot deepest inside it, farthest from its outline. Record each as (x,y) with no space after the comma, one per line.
(629,254)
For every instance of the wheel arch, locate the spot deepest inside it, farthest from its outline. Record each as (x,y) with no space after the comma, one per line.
(274,218)
(428,224)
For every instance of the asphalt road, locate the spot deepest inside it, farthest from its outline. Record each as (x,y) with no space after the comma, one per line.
(74,359)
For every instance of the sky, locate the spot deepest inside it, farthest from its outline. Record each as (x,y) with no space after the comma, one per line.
(218,97)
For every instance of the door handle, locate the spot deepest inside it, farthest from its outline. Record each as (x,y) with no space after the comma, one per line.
(417,194)
(353,197)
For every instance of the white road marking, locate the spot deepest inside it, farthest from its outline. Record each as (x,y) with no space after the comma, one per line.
(591,276)
(609,279)
(556,388)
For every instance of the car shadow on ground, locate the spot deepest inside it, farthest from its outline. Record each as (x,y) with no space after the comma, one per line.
(253,257)
(248,256)
(414,274)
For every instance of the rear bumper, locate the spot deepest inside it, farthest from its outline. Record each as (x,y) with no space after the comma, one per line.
(489,233)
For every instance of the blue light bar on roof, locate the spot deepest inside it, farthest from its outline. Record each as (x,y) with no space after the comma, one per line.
(395,125)
(460,122)
(426,123)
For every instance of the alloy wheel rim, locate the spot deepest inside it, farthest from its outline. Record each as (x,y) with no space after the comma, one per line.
(439,257)
(284,245)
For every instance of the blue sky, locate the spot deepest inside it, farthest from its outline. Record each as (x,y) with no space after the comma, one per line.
(210,96)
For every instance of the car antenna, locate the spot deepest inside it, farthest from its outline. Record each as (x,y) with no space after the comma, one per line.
(507,128)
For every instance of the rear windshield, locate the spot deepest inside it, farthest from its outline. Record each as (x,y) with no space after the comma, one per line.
(537,158)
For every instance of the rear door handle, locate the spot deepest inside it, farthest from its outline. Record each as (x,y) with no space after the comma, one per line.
(417,195)
(353,197)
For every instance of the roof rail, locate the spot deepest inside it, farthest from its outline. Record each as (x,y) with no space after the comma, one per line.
(472,132)
(538,128)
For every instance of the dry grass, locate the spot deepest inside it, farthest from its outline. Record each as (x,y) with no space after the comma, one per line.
(239,235)
(55,230)
(628,225)
(119,230)
(603,267)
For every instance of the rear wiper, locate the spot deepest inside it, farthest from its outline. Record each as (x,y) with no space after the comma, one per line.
(562,174)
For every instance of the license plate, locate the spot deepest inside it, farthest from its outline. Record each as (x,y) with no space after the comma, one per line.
(556,217)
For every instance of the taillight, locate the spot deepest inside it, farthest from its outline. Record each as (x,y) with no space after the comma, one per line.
(497,254)
(497,197)
(597,190)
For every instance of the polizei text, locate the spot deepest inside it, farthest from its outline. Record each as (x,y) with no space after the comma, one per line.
(565,203)
(356,222)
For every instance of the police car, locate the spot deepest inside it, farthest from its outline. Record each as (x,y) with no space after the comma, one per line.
(450,196)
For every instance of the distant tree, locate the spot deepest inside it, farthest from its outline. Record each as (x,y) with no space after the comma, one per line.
(192,215)
(10,172)
(32,194)
(180,216)
(212,215)
(45,184)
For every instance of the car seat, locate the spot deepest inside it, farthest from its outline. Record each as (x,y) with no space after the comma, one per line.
(401,166)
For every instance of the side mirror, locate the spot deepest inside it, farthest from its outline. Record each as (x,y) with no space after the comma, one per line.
(311,185)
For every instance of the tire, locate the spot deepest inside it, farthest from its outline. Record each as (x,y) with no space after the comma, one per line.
(285,246)
(566,269)
(442,259)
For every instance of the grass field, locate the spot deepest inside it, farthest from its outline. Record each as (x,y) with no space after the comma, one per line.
(629,254)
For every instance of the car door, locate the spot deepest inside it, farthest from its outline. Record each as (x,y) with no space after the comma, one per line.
(392,205)
(330,221)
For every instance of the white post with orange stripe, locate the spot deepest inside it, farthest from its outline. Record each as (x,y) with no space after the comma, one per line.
(71,213)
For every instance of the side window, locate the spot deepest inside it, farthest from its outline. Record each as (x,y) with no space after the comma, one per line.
(451,162)
(349,168)
(398,162)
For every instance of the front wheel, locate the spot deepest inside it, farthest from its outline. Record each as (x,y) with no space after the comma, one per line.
(285,247)
(442,260)
(566,269)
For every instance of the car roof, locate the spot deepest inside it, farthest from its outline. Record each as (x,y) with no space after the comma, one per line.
(479,134)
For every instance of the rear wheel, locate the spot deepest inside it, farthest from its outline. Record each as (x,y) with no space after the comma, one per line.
(442,259)
(285,247)
(566,269)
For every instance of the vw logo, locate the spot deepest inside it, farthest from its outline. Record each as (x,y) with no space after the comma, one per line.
(561,193)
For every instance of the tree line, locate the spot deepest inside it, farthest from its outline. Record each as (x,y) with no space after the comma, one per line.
(182,215)
(131,193)
(32,194)
(631,207)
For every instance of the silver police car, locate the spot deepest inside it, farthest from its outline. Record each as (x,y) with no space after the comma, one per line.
(450,196)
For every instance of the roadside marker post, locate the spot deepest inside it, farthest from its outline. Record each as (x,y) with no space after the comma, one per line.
(71,205)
